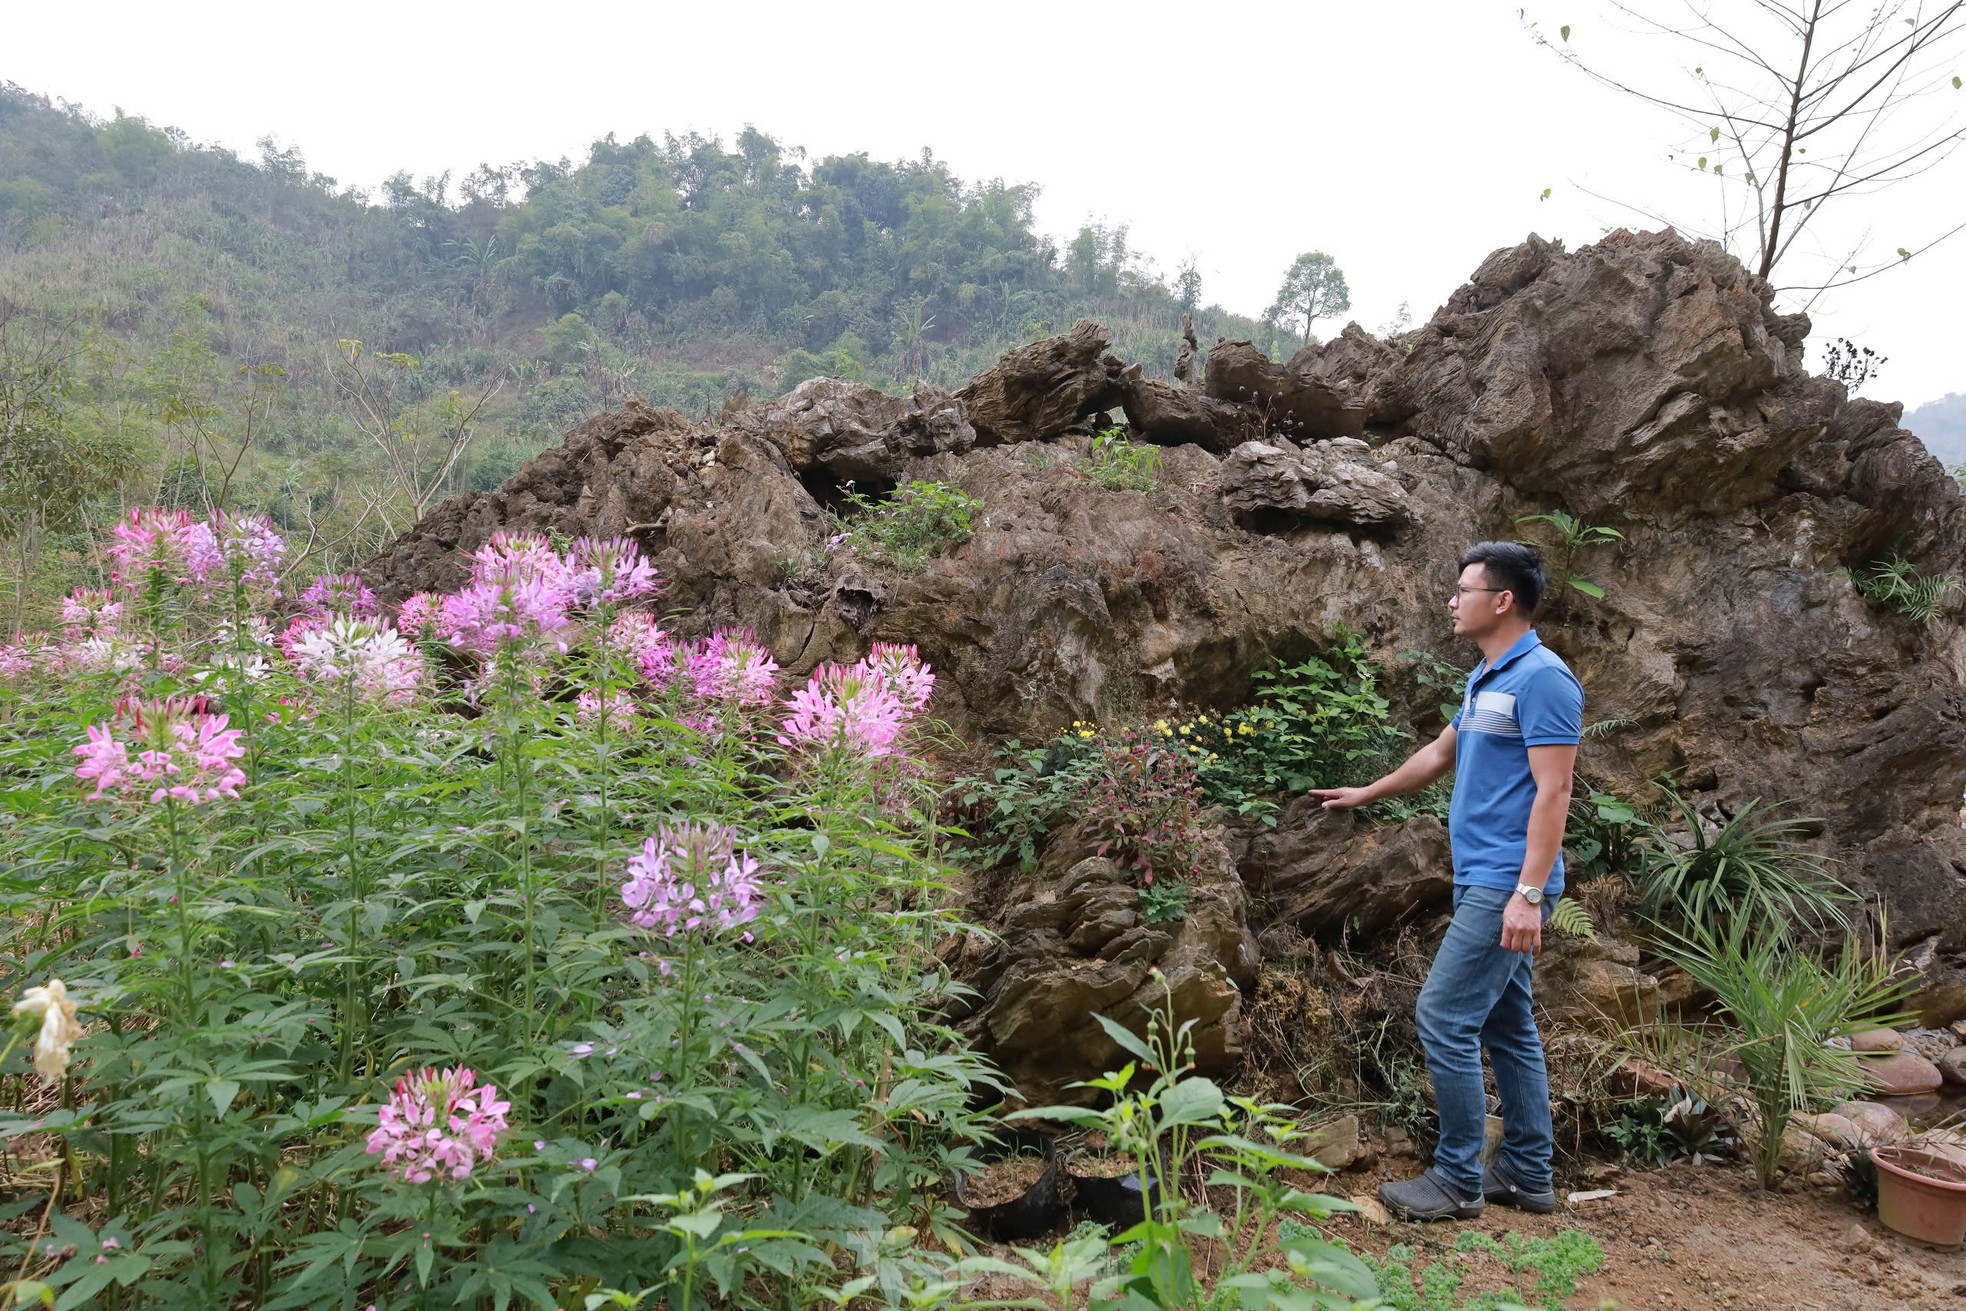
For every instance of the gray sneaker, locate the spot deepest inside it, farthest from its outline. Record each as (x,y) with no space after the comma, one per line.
(1427,1198)
(1500,1187)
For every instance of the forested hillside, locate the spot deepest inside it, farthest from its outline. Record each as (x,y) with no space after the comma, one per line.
(200,326)
(1942,426)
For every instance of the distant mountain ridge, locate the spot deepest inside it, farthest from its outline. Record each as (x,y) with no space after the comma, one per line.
(1941,425)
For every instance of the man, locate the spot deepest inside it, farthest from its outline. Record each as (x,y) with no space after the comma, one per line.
(1512,748)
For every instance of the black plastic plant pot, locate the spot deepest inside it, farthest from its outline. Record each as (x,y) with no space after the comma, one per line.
(1121,1200)
(1032,1215)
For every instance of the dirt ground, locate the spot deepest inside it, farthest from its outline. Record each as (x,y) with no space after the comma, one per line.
(1700,1236)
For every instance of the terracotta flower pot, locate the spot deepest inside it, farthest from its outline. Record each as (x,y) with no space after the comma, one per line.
(1921,1194)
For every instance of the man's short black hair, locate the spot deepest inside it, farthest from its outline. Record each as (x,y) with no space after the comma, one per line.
(1515,566)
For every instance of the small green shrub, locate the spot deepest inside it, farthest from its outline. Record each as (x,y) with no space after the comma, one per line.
(1121,464)
(1008,812)
(1180,1128)
(1894,584)
(1606,835)
(1165,902)
(1657,1131)
(1751,869)
(916,523)
(1573,537)
(1320,723)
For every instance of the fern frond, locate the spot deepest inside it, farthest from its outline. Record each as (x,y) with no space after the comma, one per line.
(1569,916)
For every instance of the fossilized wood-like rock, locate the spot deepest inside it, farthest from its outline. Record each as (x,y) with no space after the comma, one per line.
(1642,383)
(1167,415)
(1292,399)
(860,434)
(1329,871)
(1037,391)
(1267,484)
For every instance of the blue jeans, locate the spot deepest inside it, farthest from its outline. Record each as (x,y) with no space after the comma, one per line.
(1477,995)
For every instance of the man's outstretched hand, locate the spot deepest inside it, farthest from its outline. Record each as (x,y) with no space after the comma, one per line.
(1342,798)
(1522,926)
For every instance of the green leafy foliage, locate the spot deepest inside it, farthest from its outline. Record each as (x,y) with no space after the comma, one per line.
(1141,804)
(1573,537)
(1540,1271)
(1751,868)
(1008,812)
(1179,1127)
(1605,835)
(1164,902)
(1121,464)
(1319,723)
(1568,915)
(1894,583)
(1782,1006)
(916,523)
(1677,1126)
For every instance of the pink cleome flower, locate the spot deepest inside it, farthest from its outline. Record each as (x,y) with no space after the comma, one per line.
(518,596)
(86,613)
(438,1125)
(519,556)
(609,569)
(641,640)
(731,668)
(846,707)
(421,617)
(156,541)
(251,550)
(339,594)
(691,876)
(181,752)
(901,666)
(622,712)
(16,660)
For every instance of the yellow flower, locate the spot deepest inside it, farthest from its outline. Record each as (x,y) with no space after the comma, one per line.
(1085,732)
(1244,730)
(59,1027)
(1160,725)
(1213,756)
(1183,728)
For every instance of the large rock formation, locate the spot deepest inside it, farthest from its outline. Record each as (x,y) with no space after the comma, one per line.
(1642,383)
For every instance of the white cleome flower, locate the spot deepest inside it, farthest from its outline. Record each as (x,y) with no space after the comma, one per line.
(59,1027)
(381,663)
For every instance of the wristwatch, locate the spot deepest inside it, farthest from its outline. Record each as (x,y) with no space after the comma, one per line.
(1532,895)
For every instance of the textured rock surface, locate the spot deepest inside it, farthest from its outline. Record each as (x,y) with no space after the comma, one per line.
(1273,485)
(1073,945)
(1642,383)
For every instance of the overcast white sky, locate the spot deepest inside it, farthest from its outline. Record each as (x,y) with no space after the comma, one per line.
(1406,138)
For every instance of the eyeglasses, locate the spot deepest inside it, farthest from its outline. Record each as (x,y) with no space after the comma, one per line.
(1463,591)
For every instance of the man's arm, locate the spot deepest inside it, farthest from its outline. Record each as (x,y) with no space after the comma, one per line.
(1552,767)
(1432,761)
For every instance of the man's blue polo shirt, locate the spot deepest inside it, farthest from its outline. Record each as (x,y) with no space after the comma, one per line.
(1528,698)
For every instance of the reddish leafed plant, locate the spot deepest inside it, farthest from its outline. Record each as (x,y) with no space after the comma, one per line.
(1143,807)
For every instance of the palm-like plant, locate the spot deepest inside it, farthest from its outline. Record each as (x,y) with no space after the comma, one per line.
(1750,869)
(1784,1006)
